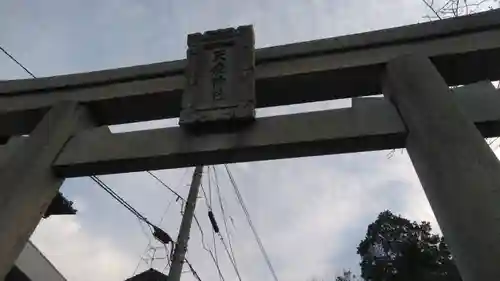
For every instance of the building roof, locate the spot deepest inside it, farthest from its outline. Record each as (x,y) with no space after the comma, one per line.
(32,265)
(149,275)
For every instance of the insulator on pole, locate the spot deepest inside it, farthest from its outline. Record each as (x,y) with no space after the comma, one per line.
(213,221)
(161,235)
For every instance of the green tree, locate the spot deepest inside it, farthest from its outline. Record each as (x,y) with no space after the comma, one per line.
(396,249)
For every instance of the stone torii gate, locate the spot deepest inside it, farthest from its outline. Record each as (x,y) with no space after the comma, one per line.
(215,93)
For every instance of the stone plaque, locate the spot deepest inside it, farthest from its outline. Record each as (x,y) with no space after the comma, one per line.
(220,83)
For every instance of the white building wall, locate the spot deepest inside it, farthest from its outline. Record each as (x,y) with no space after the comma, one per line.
(36,266)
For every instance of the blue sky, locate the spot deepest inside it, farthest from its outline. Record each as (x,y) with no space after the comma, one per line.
(311,212)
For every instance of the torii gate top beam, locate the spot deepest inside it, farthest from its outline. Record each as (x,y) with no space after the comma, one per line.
(431,30)
(326,69)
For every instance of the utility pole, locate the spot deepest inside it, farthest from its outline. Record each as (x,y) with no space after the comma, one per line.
(181,246)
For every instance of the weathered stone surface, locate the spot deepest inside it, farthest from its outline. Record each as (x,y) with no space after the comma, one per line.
(28,183)
(220,83)
(458,171)
(371,124)
(333,68)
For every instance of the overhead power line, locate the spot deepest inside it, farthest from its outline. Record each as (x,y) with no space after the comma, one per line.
(175,198)
(16,61)
(195,274)
(215,227)
(120,200)
(157,232)
(165,185)
(231,259)
(148,246)
(250,223)
(230,253)
(215,251)
(221,204)
(208,250)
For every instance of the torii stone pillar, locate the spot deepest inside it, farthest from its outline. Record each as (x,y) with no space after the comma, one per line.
(27,182)
(458,171)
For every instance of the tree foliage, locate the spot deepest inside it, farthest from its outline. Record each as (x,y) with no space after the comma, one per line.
(396,249)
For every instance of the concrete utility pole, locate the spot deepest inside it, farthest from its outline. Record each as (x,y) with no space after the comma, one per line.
(181,246)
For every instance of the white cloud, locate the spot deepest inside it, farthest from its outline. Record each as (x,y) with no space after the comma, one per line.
(78,253)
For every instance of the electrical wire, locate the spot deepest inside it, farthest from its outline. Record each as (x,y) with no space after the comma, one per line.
(208,200)
(148,246)
(230,253)
(16,61)
(156,232)
(195,274)
(144,231)
(215,247)
(214,253)
(200,229)
(165,185)
(209,207)
(209,251)
(177,197)
(166,210)
(231,259)
(141,259)
(154,257)
(223,211)
(215,228)
(250,223)
(209,185)
(121,200)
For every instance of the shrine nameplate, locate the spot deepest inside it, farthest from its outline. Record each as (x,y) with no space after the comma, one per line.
(220,83)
